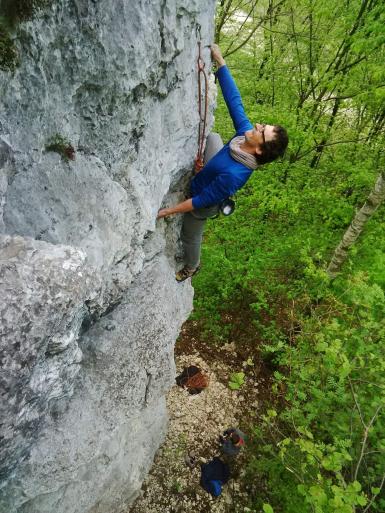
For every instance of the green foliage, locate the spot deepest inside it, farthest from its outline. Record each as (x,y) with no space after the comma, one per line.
(62,146)
(177,486)
(237,379)
(317,69)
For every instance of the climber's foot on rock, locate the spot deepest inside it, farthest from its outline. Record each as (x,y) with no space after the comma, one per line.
(186,272)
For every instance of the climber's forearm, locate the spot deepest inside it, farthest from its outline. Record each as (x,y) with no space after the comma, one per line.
(185,206)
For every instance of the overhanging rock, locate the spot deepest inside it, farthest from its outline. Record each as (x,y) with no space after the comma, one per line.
(90,309)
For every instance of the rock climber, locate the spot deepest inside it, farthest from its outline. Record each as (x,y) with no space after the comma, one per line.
(227,168)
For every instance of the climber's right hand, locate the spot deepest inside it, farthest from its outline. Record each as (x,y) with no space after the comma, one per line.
(216,54)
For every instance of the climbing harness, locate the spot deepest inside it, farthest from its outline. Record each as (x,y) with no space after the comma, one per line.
(202,106)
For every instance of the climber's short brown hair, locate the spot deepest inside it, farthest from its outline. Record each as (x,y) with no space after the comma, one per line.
(275,148)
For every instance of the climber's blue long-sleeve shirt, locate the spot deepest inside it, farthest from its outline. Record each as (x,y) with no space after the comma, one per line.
(222,176)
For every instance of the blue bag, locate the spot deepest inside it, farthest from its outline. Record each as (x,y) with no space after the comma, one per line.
(214,475)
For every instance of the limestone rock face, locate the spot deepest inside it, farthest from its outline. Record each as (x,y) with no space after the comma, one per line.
(89,306)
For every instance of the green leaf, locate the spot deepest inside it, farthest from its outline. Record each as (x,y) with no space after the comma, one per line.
(237,379)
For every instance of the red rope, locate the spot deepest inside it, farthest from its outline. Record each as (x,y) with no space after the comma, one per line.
(202,118)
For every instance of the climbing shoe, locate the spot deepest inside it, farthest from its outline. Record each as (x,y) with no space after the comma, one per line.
(185,273)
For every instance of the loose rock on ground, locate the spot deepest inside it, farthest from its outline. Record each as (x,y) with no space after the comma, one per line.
(195,423)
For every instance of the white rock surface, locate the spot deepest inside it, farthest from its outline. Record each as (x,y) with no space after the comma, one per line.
(89,305)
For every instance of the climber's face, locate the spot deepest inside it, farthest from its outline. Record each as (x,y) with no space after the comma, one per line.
(258,135)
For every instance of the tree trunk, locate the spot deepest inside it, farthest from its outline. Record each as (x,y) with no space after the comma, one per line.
(374,200)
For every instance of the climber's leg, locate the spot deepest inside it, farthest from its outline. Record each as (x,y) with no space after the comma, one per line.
(192,232)
(214,143)
(194,222)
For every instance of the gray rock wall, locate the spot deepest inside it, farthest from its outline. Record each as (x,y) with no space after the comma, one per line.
(89,306)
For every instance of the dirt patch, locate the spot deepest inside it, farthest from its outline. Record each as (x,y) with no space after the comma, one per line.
(242,344)
(196,421)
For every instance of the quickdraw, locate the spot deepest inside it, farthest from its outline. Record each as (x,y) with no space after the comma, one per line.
(202,108)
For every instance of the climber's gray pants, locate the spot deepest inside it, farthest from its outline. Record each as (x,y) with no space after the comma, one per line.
(194,222)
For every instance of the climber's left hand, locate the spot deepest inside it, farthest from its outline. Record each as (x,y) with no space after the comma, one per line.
(164,212)
(185,206)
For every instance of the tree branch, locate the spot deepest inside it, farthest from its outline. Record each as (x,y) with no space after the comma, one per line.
(366,433)
(356,403)
(329,144)
(347,97)
(252,32)
(376,495)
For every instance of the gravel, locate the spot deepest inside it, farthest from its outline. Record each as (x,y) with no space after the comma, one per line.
(196,421)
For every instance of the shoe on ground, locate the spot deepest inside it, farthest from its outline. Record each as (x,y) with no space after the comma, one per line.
(190,460)
(185,273)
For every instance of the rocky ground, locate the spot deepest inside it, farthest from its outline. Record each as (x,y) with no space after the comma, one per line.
(195,423)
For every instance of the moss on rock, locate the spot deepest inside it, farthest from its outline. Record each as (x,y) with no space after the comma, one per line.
(60,145)
(22,10)
(8,54)
(14,12)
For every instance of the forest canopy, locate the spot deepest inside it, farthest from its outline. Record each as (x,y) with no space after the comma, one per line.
(303,255)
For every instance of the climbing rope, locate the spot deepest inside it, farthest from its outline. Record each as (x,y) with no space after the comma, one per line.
(202,108)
